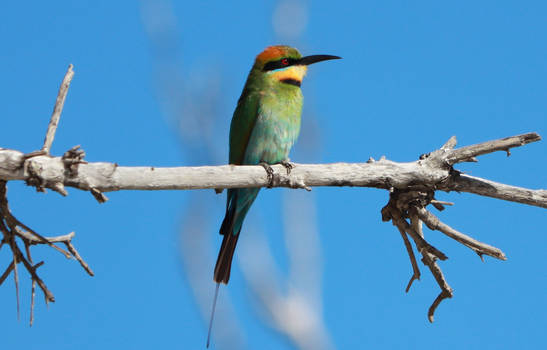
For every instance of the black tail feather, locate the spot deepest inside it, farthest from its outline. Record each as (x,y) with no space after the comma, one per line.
(228,223)
(225,256)
(229,241)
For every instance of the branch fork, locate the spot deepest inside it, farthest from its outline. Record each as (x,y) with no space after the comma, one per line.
(407,211)
(411,187)
(14,231)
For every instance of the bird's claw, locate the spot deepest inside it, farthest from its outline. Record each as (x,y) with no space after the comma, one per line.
(288,166)
(269,172)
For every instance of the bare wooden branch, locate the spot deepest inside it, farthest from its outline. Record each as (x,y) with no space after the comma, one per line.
(33,287)
(395,211)
(411,185)
(14,251)
(77,256)
(429,260)
(409,204)
(415,269)
(31,269)
(488,188)
(480,248)
(58,108)
(470,152)
(12,230)
(431,172)
(35,238)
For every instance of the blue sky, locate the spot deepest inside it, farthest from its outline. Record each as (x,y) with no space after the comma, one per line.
(412,76)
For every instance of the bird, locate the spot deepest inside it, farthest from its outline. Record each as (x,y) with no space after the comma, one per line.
(264,127)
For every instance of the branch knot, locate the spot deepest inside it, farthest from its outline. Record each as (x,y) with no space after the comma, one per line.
(71,159)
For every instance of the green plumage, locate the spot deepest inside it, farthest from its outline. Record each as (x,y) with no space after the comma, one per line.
(264,127)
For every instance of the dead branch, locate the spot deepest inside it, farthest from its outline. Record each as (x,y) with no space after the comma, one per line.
(56,115)
(411,185)
(435,224)
(14,230)
(433,172)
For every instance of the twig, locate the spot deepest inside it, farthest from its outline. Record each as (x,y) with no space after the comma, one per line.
(467,152)
(410,204)
(59,103)
(480,248)
(421,243)
(32,297)
(488,188)
(445,294)
(22,230)
(7,271)
(98,195)
(11,229)
(47,294)
(434,201)
(415,268)
(33,287)
(429,260)
(14,251)
(77,256)
(34,238)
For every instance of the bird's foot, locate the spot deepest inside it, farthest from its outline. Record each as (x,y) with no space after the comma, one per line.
(288,165)
(269,172)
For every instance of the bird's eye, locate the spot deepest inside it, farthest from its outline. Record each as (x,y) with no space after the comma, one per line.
(285,62)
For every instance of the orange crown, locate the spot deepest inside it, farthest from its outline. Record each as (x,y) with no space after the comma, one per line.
(275,52)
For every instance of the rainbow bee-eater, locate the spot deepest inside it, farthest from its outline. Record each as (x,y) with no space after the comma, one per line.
(265,125)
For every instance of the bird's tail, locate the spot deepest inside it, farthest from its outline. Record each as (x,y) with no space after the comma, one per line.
(225,256)
(239,202)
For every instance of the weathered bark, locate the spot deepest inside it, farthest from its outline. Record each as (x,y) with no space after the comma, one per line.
(432,172)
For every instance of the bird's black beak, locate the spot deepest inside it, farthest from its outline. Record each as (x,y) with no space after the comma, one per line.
(306,61)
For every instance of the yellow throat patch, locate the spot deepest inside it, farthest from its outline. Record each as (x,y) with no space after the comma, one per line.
(293,72)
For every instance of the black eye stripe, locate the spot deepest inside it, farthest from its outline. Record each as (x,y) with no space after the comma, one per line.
(279,64)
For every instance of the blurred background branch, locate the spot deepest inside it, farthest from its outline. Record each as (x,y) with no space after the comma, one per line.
(191,97)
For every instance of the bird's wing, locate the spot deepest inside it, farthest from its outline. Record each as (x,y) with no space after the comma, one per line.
(242,125)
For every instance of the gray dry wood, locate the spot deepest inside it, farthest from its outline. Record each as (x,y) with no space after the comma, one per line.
(433,172)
